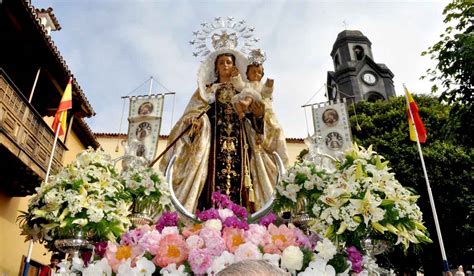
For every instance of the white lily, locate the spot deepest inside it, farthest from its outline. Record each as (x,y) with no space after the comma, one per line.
(368,208)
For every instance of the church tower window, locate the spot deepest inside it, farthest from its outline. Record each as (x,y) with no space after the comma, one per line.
(359,52)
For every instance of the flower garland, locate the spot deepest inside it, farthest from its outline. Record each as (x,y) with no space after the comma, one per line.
(360,199)
(85,195)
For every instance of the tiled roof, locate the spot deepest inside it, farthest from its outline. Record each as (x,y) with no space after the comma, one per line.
(57,54)
(51,14)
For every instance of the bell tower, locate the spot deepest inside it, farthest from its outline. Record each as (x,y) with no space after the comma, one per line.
(356,75)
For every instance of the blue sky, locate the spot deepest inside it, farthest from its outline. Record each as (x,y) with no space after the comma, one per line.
(114,46)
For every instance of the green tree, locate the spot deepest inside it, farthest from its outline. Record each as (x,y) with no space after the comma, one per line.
(450,169)
(453,74)
(455,54)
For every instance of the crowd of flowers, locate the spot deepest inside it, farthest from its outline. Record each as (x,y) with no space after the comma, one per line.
(89,195)
(360,199)
(221,238)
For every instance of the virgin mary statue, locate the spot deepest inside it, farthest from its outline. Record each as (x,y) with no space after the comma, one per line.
(223,152)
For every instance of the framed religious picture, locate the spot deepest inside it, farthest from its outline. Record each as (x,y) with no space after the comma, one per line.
(143,130)
(145,108)
(330,117)
(334,141)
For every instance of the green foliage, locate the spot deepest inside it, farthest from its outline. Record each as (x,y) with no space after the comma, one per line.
(454,54)
(339,262)
(453,74)
(449,163)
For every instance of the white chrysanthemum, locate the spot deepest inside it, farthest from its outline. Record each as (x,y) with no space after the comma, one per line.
(309,184)
(95,215)
(292,258)
(326,249)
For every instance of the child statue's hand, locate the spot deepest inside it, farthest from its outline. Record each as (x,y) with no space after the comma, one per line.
(269,83)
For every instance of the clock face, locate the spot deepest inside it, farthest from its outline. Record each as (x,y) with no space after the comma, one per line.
(369,78)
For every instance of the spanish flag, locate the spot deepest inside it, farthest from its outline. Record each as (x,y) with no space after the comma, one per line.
(416,122)
(61,113)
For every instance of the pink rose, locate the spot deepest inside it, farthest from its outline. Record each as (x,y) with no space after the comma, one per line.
(279,239)
(199,260)
(172,249)
(150,241)
(215,246)
(256,234)
(233,238)
(248,251)
(209,233)
(169,230)
(195,242)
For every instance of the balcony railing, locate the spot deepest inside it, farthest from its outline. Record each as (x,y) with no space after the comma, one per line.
(31,139)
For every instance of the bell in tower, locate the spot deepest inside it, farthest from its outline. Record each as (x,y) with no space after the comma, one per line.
(356,75)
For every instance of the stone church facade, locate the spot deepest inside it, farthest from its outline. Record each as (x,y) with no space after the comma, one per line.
(356,75)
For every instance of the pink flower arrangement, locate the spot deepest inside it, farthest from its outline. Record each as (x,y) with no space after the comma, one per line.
(223,238)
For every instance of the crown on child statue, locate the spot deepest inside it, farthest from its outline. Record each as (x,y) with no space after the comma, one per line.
(223,33)
(257,56)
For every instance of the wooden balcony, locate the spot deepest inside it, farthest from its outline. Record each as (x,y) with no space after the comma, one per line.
(26,142)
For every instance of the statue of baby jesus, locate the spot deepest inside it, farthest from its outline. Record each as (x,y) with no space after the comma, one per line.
(252,90)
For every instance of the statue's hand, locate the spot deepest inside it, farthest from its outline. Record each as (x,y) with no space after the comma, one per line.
(257,108)
(235,72)
(196,125)
(269,83)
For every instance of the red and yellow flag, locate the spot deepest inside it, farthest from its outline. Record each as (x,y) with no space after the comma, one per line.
(61,112)
(416,122)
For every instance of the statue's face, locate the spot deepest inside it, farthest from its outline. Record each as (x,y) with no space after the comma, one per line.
(254,73)
(225,65)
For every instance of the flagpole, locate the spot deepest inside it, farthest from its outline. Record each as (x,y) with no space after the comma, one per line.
(34,85)
(30,248)
(428,186)
(151,86)
(28,258)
